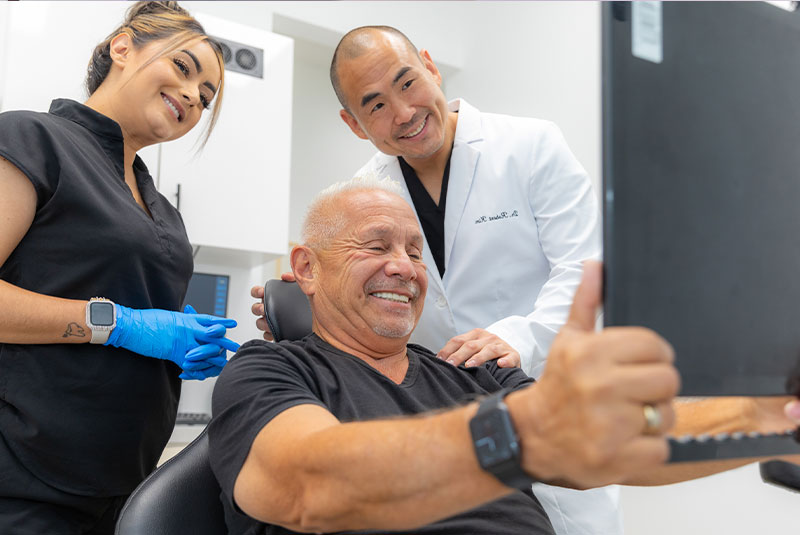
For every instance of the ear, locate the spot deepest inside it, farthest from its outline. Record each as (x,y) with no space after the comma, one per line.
(120,48)
(304,261)
(430,66)
(352,123)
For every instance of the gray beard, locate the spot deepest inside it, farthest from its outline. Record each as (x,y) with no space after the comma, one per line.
(394,332)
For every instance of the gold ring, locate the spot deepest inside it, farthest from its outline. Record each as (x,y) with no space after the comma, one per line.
(652,419)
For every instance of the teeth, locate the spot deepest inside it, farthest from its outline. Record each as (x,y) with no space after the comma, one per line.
(391,296)
(418,130)
(175,111)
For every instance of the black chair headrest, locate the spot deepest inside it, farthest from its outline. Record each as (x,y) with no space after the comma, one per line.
(287,310)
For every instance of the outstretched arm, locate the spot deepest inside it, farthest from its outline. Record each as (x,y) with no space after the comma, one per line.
(307,471)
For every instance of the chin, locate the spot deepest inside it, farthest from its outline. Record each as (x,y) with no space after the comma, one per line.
(394,331)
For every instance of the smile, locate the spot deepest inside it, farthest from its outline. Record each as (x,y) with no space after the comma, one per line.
(389,296)
(418,130)
(175,111)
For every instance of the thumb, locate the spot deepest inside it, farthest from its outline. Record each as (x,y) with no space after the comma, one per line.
(588,296)
(189,309)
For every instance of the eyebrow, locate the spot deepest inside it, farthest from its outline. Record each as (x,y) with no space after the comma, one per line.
(194,58)
(402,72)
(199,69)
(382,231)
(370,96)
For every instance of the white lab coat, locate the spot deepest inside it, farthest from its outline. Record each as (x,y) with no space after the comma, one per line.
(521,218)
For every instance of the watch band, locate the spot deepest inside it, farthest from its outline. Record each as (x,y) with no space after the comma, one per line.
(507,470)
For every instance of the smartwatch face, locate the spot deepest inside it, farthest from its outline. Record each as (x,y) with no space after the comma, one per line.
(493,446)
(101,314)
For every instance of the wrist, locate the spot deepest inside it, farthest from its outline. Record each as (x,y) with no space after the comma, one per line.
(496,442)
(526,409)
(117,336)
(100,319)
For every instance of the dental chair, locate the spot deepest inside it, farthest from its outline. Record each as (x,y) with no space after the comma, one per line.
(182,497)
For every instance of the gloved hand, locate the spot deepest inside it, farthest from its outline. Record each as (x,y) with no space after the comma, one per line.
(204,361)
(172,335)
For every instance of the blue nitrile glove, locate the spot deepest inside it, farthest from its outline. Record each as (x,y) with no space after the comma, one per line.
(204,361)
(171,335)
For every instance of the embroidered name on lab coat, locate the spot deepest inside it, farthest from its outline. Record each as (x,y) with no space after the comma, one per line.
(501,215)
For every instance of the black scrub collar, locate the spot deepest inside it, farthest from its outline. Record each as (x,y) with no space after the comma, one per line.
(106,130)
(86,117)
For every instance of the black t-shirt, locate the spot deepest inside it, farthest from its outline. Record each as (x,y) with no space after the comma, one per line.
(88,419)
(264,379)
(431,215)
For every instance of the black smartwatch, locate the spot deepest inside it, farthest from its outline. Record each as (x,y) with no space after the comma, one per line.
(496,442)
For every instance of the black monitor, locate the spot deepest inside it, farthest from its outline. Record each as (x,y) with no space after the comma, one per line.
(701,180)
(208,293)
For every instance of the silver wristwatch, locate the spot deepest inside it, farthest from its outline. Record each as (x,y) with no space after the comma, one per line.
(101,318)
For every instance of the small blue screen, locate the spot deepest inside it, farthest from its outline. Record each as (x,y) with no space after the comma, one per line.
(208,294)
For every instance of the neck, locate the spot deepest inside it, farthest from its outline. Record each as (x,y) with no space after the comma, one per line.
(101,103)
(433,165)
(386,355)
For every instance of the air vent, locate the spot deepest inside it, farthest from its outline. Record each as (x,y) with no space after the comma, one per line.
(242,58)
(246,59)
(226,53)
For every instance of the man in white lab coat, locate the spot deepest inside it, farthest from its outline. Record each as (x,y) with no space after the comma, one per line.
(508,214)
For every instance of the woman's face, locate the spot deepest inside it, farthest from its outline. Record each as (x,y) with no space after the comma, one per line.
(165,99)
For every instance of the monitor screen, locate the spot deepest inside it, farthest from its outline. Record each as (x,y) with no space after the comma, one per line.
(701,180)
(208,293)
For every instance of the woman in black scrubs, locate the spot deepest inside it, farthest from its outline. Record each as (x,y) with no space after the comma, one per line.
(89,389)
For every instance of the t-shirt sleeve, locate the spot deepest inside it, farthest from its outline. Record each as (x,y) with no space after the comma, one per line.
(26,142)
(510,378)
(261,381)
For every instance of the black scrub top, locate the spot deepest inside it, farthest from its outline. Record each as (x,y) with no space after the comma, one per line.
(88,419)
(431,215)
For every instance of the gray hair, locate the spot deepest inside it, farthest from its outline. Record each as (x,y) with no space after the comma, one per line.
(322,222)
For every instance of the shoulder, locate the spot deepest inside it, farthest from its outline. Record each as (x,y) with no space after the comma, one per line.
(535,144)
(531,128)
(511,378)
(421,351)
(33,142)
(23,117)
(256,352)
(26,126)
(26,120)
(377,165)
(260,366)
(259,358)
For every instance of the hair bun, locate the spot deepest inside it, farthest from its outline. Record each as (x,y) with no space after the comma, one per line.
(154,8)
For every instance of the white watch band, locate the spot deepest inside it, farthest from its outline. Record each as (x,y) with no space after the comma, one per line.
(98,336)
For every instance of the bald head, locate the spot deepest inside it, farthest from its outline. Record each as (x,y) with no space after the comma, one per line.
(356,43)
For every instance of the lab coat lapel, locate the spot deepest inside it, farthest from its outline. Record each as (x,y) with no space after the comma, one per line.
(391,166)
(463,163)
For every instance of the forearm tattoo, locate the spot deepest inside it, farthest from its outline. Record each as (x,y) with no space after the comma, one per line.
(73,329)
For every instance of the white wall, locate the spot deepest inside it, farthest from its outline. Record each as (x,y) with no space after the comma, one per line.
(537,59)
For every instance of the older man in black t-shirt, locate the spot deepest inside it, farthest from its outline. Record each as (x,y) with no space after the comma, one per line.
(351,429)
